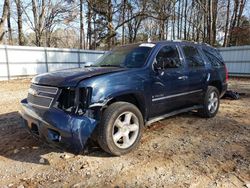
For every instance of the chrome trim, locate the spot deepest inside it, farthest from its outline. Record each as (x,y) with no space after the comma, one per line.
(39,106)
(46,87)
(41,96)
(208,77)
(176,95)
(34,90)
(32,104)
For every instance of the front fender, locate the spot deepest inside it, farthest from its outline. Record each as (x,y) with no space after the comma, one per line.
(106,87)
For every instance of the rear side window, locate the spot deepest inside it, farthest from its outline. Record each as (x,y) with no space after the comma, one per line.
(213,56)
(193,57)
(170,56)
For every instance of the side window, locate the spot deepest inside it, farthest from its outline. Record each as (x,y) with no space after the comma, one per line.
(169,57)
(193,57)
(213,56)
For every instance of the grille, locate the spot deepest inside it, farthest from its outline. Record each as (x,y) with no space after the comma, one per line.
(41,96)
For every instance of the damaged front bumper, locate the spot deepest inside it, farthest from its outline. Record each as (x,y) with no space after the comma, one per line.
(57,127)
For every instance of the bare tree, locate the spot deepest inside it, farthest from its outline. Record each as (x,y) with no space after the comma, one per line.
(3,19)
(227,23)
(82,36)
(214,7)
(39,19)
(10,39)
(133,25)
(19,22)
(112,22)
(89,25)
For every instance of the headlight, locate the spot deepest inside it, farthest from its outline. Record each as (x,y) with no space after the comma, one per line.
(74,100)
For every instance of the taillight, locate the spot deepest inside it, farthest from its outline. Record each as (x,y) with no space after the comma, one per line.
(226,72)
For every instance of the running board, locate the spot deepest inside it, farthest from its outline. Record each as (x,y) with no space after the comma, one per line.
(158,118)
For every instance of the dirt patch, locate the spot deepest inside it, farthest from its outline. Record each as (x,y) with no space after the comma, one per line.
(181,151)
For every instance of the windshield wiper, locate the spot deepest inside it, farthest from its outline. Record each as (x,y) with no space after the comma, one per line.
(109,65)
(90,66)
(104,65)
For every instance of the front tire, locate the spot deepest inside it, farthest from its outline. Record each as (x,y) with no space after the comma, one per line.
(211,103)
(120,129)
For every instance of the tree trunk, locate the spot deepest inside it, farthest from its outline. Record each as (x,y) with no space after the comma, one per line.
(111,32)
(173,21)
(191,32)
(208,10)
(95,35)
(241,8)
(89,33)
(166,32)
(233,22)
(3,19)
(19,23)
(182,13)
(10,40)
(123,19)
(82,38)
(178,20)
(185,20)
(205,18)
(227,23)
(214,21)
(38,20)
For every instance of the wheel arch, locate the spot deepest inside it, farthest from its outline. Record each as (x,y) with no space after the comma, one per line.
(136,99)
(217,84)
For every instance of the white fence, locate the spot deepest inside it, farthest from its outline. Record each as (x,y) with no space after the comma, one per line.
(18,61)
(237,59)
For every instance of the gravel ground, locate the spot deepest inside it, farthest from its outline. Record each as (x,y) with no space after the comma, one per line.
(181,151)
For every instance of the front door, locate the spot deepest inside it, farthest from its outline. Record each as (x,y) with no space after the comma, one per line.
(170,81)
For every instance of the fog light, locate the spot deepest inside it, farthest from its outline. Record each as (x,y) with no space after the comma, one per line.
(54,135)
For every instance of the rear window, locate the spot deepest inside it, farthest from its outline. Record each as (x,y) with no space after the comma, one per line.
(193,57)
(213,56)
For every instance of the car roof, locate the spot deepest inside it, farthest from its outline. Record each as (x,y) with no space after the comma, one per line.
(163,42)
(182,42)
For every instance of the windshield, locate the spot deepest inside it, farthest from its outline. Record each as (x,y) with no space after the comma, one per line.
(131,56)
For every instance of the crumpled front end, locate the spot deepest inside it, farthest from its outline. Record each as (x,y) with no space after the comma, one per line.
(49,120)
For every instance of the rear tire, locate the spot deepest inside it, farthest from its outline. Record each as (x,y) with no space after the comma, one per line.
(120,129)
(211,103)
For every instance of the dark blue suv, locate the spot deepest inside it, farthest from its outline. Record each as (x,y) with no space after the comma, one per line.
(128,88)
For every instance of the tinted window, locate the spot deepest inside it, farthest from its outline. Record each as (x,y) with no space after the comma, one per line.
(213,56)
(131,56)
(137,57)
(193,57)
(169,56)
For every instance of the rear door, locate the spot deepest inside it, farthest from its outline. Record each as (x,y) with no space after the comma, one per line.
(197,74)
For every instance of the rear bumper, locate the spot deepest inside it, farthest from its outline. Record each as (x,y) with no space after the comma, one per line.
(56,127)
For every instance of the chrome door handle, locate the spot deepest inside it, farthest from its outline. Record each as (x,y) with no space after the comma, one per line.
(182,77)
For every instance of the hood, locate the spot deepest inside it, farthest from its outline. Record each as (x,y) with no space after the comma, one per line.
(71,77)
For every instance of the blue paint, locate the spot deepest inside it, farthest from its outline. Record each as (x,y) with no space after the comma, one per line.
(74,130)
